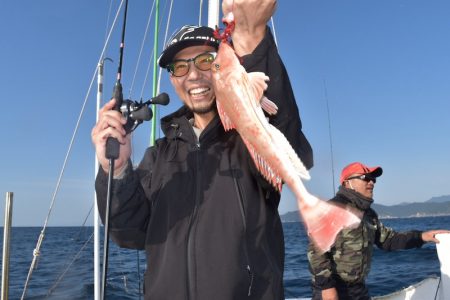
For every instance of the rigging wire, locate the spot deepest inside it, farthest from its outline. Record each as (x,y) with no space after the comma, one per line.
(274,33)
(107,20)
(36,251)
(166,33)
(153,53)
(331,140)
(141,50)
(61,276)
(151,57)
(437,288)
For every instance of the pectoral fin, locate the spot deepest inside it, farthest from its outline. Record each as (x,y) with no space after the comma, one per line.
(270,107)
(258,84)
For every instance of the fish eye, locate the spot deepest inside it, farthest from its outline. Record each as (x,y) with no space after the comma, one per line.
(217,66)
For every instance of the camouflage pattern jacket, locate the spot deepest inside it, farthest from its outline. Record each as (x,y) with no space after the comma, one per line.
(349,259)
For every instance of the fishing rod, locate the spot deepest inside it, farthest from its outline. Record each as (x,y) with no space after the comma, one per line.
(135,113)
(112,153)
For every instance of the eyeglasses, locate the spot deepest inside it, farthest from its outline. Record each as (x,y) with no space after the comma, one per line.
(180,67)
(364,177)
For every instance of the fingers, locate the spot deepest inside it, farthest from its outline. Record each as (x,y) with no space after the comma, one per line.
(430,236)
(250,18)
(110,124)
(435,232)
(227,6)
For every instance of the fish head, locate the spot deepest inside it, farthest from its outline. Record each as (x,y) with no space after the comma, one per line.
(225,61)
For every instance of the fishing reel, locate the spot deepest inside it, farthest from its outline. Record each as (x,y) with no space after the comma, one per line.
(137,112)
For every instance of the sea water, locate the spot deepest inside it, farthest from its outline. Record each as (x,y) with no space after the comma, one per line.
(65,264)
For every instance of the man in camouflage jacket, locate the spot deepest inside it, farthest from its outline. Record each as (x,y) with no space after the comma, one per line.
(340,273)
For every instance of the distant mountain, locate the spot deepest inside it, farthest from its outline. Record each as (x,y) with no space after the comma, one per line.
(440,199)
(418,209)
(436,206)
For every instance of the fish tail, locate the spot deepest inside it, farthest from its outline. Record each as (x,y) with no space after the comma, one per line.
(324,220)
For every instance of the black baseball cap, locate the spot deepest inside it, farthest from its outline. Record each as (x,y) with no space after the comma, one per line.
(187,36)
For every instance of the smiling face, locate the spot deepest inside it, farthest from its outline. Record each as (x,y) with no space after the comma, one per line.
(195,88)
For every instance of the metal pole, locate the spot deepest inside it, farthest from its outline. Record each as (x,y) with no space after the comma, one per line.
(97,282)
(6,239)
(213,13)
(155,73)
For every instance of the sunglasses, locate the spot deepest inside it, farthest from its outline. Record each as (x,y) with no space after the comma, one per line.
(203,62)
(364,177)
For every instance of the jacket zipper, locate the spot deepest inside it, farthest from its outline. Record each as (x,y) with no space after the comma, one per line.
(190,244)
(241,206)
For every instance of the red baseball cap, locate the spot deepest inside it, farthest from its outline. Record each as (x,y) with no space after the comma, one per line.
(359,168)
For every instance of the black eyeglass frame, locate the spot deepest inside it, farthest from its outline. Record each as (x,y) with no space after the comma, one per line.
(364,177)
(171,67)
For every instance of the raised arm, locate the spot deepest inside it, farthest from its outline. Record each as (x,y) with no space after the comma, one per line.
(251,17)
(253,41)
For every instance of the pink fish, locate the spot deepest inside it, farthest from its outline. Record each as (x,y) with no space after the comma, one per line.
(240,103)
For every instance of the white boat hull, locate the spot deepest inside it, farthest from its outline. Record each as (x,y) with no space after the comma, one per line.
(426,289)
(433,288)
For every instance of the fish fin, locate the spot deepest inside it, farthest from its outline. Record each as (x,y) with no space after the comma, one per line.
(264,168)
(270,107)
(258,84)
(226,121)
(324,220)
(282,142)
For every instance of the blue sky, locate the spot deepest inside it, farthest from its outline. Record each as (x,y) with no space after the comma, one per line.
(385,66)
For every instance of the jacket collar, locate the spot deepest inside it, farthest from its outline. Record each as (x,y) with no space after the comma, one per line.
(354,198)
(177,126)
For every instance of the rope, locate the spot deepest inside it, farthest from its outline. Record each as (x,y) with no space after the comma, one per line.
(36,251)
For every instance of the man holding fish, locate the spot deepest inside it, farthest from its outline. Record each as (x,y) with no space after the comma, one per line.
(197,203)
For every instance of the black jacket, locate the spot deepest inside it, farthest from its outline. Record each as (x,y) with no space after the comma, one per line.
(208,221)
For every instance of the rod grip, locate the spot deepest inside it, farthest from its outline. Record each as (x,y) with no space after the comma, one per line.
(112,144)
